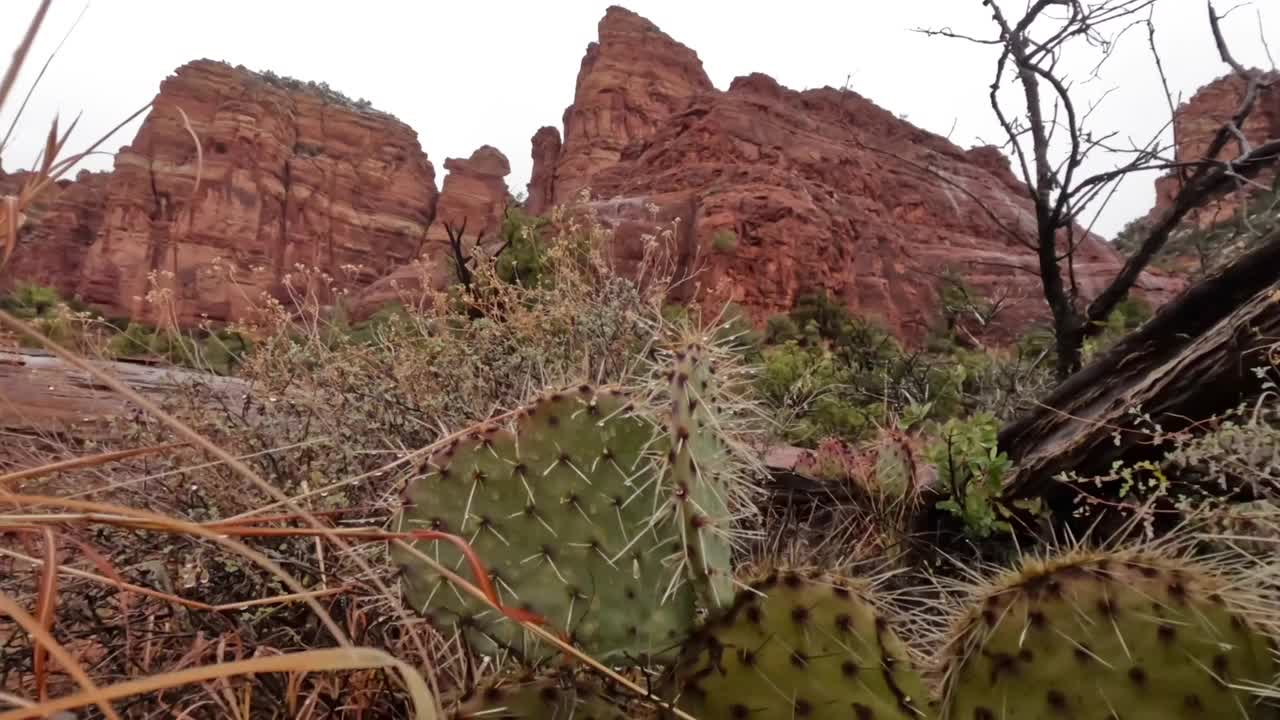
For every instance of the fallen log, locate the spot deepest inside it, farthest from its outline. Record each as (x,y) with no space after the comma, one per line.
(40,393)
(1195,358)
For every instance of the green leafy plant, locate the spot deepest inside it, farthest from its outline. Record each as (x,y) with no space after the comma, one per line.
(971,469)
(522,259)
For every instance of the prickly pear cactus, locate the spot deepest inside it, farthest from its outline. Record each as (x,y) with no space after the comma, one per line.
(567,510)
(1097,636)
(699,475)
(896,466)
(799,645)
(543,699)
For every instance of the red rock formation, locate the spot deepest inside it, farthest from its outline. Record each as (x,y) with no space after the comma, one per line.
(62,225)
(474,192)
(1196,122)
(546,151)
(629,83)
(291,176)
(823,190)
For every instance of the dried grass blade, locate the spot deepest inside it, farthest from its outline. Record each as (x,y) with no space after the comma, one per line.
(84,462)
(182,429)
(48,605)
(40,76)
(20,54)
(324,660)
(186,122)
(50,152)
(115,514)
(11,227)
(40,636)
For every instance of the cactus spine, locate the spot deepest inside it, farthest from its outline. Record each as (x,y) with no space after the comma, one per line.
(799,645)
(562,509)
(699,476)
(541,699)
(1105,635)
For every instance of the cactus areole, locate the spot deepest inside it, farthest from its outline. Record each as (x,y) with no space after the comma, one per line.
(566,510)
(1107,637)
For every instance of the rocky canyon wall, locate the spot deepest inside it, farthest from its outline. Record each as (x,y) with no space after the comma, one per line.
(62,225)
(288,175)
(1196,122)
(822,190)
(473,200)
(818,190)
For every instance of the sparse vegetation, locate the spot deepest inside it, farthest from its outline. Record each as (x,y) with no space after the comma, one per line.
(1200,249)
(549,491)
(724,241)
(319,89)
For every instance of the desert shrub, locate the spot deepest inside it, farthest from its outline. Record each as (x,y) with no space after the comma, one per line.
(779,329)
(971,471)
(724,241)
(319,89)
(828,372)
(1201,472)
(67,322)
(807,387)
(523,259)
(350,396)
(1202,249)
(28,302)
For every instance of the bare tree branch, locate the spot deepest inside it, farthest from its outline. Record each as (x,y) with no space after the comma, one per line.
(1050,142)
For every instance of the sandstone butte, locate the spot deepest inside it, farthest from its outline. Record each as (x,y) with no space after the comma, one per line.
(822,190)
(1196,123)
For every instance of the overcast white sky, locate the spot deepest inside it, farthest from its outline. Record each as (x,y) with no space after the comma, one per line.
(472,72)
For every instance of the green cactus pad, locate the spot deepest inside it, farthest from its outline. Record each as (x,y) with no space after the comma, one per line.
(700,476)
(546,699)
(1095,636)
(800,646)
(895,468)
(561,509)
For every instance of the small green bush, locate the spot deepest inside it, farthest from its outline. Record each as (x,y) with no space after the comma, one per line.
(523,262)
(724,241)
(971,469)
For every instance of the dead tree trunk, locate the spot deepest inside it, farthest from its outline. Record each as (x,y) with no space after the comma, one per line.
(1195,358)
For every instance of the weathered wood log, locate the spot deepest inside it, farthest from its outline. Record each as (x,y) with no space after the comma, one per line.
(39,393)
(1195,358)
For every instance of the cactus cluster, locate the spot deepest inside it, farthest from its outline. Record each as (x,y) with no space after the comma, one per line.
(614,514)
(799,645)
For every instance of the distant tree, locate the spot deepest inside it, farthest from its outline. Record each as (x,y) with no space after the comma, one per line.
(1049,134)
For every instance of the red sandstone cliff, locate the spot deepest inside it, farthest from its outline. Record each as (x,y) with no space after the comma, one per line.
(546,151)
(823,190)
(630,82)
(62,225)
(1195,124)
(474,193)
(291,175)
